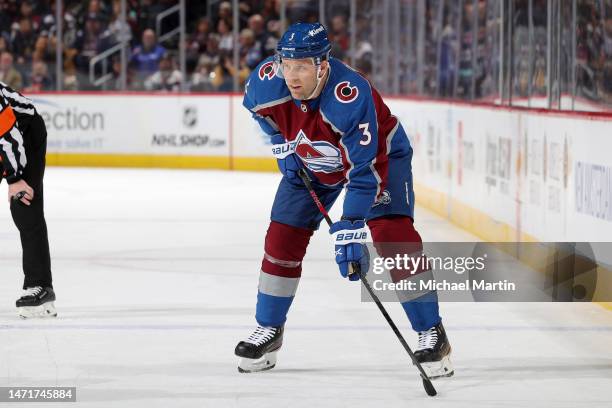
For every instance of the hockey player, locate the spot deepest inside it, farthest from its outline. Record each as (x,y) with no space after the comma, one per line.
(23,145)
(326,118)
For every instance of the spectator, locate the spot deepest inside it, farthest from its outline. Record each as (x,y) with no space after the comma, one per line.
(8,74)
(47,25)
(208,60)
(70,30)
(363,50)
(363,27)
(274,29)
(245,10)
(39,78)
(26,11)
(249,49)
(469,73)
(23,41)
(120,31)
(168,78)
(197,40)
(98,8)
(89,42)
(270,11)
(210,57)
(265,41)
(223,78)
(225,12)
(44,49)
(145,58)
(226,42)
(196,43)
(69,76)
(202,78)
(338,33)
(446,65)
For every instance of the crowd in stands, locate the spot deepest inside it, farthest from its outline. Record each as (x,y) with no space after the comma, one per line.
(463,57)
(28,41)
(594,50)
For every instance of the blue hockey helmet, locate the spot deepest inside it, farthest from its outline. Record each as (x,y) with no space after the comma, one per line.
(304,40)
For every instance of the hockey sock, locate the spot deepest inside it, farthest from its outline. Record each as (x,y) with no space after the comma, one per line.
(280,273)
(396,235)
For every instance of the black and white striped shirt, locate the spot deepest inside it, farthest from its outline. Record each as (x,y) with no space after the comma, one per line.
(12,154)
(19,103)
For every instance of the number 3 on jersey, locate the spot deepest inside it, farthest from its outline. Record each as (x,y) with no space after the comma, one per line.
(364,127)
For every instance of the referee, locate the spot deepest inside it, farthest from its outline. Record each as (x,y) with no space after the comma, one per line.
(23,145)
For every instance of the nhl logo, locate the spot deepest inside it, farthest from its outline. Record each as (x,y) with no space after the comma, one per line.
(190,116)
(304,107)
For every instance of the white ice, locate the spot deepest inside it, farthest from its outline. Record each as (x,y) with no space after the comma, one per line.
(156,274)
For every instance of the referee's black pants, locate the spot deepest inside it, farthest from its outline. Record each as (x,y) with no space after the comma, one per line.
(30,220)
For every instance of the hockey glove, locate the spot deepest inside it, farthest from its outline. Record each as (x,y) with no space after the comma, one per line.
(350,238)
(288,163)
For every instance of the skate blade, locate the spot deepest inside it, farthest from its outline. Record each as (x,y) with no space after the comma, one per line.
(254,365)
(439,369)
(32,312)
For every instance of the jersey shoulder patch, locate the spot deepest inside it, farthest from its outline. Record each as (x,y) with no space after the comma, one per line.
(345,92)
(347,96)
(263,86)
(266,71)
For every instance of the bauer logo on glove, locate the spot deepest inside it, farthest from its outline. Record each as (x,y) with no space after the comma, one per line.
(359,236)
(281,151)
(350,238)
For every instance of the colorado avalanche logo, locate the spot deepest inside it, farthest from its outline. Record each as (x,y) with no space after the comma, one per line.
(267,71)
(318,156)
(346,93)
(384,199)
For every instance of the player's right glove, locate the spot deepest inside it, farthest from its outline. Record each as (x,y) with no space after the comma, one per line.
(288,163)
(350,238)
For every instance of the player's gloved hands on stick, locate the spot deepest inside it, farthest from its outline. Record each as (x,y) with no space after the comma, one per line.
(290,167)
(350,238)
(288,163)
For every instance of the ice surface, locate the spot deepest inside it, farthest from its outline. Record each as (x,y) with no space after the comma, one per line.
(156,275)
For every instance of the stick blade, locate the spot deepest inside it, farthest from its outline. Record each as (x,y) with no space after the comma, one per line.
(429,388)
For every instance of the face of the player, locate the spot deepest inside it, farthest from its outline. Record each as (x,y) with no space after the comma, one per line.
(301,76)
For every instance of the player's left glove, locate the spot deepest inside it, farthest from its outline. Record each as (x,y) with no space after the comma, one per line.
(350,238)
(288,163)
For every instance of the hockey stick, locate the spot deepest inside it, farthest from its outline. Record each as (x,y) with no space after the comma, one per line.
(429,388)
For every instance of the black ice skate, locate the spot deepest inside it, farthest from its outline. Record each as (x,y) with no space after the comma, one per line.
(258,352)
(434,352)
(36,302)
